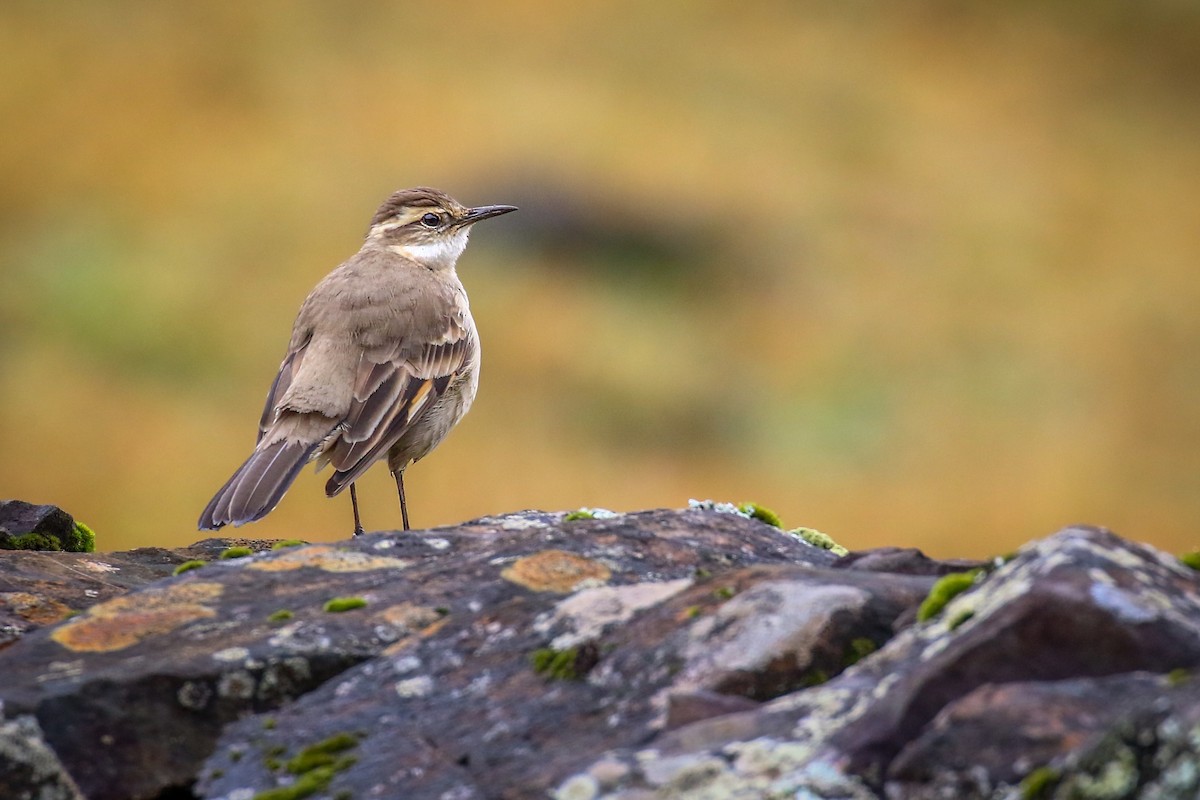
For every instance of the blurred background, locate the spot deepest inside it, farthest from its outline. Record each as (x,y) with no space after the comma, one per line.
(917,273)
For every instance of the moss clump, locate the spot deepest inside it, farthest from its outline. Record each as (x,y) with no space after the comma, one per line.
(236,552)
(81,540)
(946,589)
(195,563)
(818,539)
(323,754)
(282,615)
(559,665)
(691,612)
(857,650)
(337,605)
(761,513)
(724,593)
(1191,559)
(315,766)
(583,513)
(1179,676)
(959,619)
(288,543)
(31,541)
(269,724)
(814,677)
(1038,783)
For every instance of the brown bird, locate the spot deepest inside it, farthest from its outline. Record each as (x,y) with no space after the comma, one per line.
(383,361)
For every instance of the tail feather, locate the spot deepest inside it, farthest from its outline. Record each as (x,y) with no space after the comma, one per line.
(258,485)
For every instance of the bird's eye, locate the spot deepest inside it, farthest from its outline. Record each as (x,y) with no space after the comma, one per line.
(431,220)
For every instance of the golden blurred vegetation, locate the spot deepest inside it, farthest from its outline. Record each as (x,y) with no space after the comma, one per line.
(914,273)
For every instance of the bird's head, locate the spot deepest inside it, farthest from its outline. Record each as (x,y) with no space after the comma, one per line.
(427,226)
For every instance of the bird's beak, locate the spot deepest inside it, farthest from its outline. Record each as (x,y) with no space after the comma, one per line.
(473,215)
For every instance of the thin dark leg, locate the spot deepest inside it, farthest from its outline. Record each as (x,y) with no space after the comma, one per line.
(354,502)
(399,476)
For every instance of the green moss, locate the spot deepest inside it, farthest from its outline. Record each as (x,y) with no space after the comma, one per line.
(959,619)
(1038,783)
(195,563)
(288,543)
(1191,559)
(343,794)
(857,650)
(1179,676)
(323,753)
(276,750)
(691,612)
(282,615)
(818,539)
(583,513)
(236,552)
(556,664)
(761,513)
(273,764)
(814,677)
(946,589)
(31,541)
(314,768)
(337,605)
(702,573)
(268,724)
(724,593)
(235,756)
(81,540)
(442,611)
(306,785)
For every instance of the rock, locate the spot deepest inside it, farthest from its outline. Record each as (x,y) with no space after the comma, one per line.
(663,654)
(1082,604)
(38,588)
(29,769)
(25,526)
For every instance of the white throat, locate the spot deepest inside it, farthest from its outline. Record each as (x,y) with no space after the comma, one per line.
(443,253)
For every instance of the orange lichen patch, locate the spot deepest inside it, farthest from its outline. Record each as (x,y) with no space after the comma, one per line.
(34,608)
(409,617)
(400,645)
(330,559)
(125,621)
(555,571)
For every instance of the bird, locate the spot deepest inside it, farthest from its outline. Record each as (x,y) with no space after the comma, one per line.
(383,361)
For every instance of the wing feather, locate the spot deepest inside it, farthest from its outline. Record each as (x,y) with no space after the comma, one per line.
(393,389)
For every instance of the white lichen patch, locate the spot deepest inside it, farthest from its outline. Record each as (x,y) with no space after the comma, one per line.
(577,787)
(237,685)
(516,523)
(99,566)
(722,508)
(1121,604)
(194,695)
(772,620)
(590,611)
(436,542)
(420,686)
(231,655)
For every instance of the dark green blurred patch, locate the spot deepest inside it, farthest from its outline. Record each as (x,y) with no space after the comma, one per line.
(626,242)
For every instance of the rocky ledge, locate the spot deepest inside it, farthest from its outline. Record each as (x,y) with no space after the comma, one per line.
(662,654)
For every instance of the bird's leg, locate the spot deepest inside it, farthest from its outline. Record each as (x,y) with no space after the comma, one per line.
(358,529)
(399,476)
